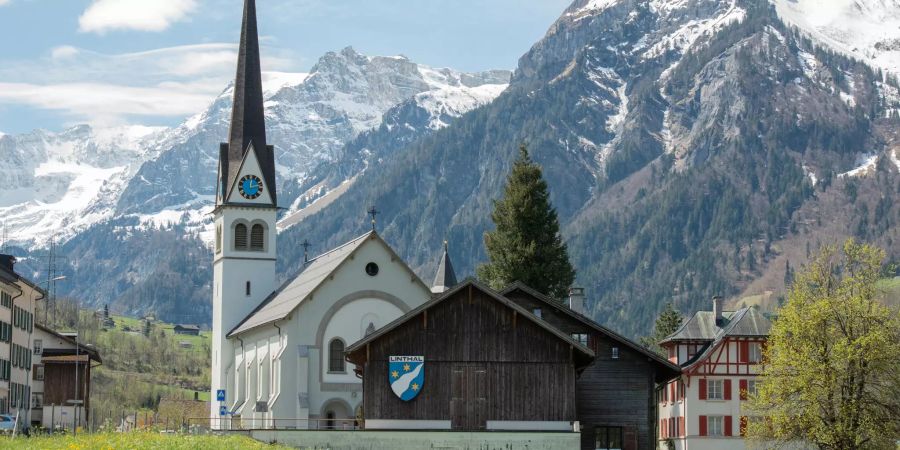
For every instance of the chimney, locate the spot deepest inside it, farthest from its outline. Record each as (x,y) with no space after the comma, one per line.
(576,299)
(8,262)
(717,310)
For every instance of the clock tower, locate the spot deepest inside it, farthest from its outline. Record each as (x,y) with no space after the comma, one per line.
(245,214)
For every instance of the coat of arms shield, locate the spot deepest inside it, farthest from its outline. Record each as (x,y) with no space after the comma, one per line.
(406,375)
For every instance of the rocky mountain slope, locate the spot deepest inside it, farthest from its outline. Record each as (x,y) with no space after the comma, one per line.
(692,148)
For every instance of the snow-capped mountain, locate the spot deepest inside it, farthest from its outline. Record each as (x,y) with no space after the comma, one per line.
(863,29)
(66,182)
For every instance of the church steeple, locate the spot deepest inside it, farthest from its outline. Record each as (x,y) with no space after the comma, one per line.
(248,120)
(444,278)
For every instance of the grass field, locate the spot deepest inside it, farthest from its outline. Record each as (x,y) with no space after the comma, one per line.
(135,440)
(136,325)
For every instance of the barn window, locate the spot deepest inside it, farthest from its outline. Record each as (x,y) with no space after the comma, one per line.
(258,238)
(609,438)
(336,356)
(240,237)
(615,353)
(537,312)
(581,338)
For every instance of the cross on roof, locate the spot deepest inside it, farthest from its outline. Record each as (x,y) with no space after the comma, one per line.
(374,213)
(306,245)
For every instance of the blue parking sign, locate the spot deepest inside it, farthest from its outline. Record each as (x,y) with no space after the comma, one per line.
(220,395)
(223,410)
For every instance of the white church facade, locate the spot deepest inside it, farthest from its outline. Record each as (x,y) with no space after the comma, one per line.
(278,351)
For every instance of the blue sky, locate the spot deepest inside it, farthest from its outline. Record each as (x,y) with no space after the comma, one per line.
(155,62)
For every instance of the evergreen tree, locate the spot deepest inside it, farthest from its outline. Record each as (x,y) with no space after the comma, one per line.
(666,323)
(526,245)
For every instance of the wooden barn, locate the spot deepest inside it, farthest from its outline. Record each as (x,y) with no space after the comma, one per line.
(616,393)
(469,360)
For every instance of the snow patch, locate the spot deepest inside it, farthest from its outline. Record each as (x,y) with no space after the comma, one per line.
(813,179)
(863,169)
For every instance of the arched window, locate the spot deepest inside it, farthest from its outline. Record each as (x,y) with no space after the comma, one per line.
(258,238)
(336,356)
(240,237)
(218,239)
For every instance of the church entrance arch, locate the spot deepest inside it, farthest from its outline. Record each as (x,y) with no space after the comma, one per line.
(336,414)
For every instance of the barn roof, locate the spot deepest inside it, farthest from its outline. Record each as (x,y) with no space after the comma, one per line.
(300,287)
(585,351)
(589,322)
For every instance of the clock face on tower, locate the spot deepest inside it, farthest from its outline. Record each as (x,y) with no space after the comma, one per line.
(250,187)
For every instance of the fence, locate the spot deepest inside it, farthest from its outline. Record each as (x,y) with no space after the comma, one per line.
(127,421)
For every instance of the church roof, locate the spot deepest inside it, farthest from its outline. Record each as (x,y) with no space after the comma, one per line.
(445,277)
(300,287)
(248,119)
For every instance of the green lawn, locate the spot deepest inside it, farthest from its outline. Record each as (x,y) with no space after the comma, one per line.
(135,440)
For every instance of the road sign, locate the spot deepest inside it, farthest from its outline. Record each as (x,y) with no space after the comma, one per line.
(223,410)
(220,395)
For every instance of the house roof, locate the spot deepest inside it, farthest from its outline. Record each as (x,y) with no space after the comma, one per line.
(444,277)
(187,327)
(585,351)
(301,286)
(702,326)
(53,352)
(591,323)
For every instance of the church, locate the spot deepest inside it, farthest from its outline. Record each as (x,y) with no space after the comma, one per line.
(278,351)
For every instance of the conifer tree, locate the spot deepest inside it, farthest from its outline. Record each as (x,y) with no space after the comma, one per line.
(667,323)
(526,245)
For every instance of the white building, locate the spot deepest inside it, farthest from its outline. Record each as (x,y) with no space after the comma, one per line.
(720,354)
(18,297)
(278,351)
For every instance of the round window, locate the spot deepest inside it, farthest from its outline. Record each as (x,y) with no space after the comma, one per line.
(372,269)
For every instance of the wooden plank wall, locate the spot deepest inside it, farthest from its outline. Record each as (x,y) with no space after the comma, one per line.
(528,373)
(59,384)
(610,392)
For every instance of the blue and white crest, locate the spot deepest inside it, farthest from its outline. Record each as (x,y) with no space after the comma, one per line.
(406,375)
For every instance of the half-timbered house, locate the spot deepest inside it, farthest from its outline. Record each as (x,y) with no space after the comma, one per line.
(720,354)
(616,393)
(488,364)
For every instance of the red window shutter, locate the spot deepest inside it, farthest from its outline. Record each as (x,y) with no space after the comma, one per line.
(672,430)
(681,426)
(702,388)
(727,388)
(743,425)
(727,425)
(702,425)
(672,391)
(665,428)
(742,385)
(744,352)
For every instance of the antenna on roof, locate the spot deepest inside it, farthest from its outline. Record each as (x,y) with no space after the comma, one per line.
(306,245)
(374,213)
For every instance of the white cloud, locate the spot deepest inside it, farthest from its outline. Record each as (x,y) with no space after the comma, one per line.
(142,15)
(4,2)
(102,89)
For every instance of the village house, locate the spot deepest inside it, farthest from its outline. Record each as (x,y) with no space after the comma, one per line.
(719,353)
(18,297)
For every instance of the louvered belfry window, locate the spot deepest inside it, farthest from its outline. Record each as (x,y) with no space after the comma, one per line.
(240,237)
(258,238)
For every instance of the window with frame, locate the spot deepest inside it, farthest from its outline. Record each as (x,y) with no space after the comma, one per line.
(240,237)
(258,238)
(218,239)
(38,346)
(615,353)
(37,400)
(715,426)
(38,372)
(755,352)
(609,438)
(5,300)
(336,356)
(581,338)
(714,390)
(537,312)
(751,387)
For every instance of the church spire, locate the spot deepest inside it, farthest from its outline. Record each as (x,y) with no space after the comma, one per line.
(445,278)
(248,119)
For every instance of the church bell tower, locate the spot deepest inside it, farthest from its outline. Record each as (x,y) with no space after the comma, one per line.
(245,214)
